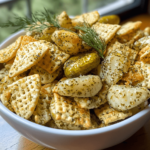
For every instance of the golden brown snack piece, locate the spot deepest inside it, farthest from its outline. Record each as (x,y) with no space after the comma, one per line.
(106,31)
(3,72)
(65,110)
(53,59)
(88,102)
(95,122)
(129,27)
(123,97)
(145,54)
(9,52)
(65,21)
(27,39)
(83,86)
(51,124)
(67,41)
(141,43)
(89,18)
(44,75)
(24,95)
(81,64)
(28,56)
(147,31)
(42,113)
(48,88)
(109,115)
(9,63)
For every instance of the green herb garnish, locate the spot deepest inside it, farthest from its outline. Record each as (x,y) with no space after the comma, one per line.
(91,38)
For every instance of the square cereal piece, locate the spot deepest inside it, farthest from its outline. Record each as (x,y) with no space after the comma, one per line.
(27,39)
(28,56)
(88,102)
(89,18)
(129,27)
(109,115)
(64,109)
(9,52)
(141,43)
(53,59)
(42,112)
(24,95)
(48,88)
(106,31)
(44,75)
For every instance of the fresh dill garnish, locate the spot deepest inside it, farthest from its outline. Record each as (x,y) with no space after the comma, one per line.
(38,22)
(90,37)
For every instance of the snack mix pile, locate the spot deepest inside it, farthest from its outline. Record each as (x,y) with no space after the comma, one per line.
(55,79)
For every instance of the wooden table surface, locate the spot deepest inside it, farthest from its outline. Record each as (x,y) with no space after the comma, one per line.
(12,140)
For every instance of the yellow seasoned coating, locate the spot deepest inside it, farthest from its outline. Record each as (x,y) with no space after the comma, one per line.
(145,57)
(42,112)
(89,18)
(65,109)
(83,86)
(141,43)
(9,63)
(24,95)
(3,72)
(65,21)
(109,115)
(88,102)
(124,97)
(53,59)
(9,52)
(111,19)
(129,27)
(81,64)
(48,88)
(106,31)
(44,75)
(113,67)
(147,31)
(28,56)
(27,39)
(67,41)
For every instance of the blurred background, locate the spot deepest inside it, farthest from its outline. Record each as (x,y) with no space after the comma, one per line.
(124,8)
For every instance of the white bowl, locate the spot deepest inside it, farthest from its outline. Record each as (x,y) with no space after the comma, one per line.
(94,139)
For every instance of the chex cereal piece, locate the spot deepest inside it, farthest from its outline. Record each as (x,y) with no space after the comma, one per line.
(88,102)
(3,73)
(24,95)
(45,76)
(109,115)
(53,59)
(27,39)
(123,97)
(5,98)
(42,113)
(113,67)
(129,27)
(65,109)
(9,80)
(68,42)
(134,75)
(51,124)
(89,18)
(65,21)
(145,57)
(141,43)
(27,56)
(116,47)
(48,88)
(106,31)
(9,52)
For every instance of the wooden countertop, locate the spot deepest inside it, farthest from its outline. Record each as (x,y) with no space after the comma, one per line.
(12,140)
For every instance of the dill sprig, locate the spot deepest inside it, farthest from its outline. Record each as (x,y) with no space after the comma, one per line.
(91,38)
(38,22)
